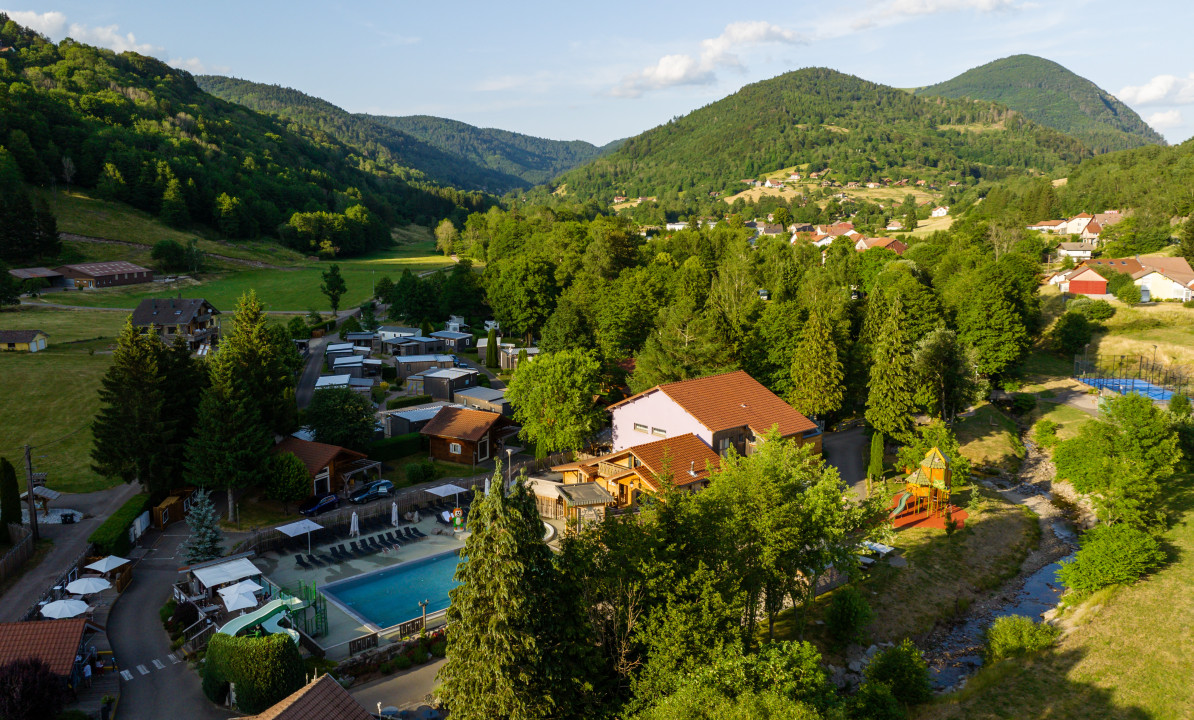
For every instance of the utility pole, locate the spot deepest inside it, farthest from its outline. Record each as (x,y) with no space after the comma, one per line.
(29,489)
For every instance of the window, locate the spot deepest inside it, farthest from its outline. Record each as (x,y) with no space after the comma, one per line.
(454,448)
(659,432)
(639,427)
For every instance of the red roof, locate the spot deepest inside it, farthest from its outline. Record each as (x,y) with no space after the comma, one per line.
(730,400)
(315,455)
(461,424)
(321,699)
(54,641)
(682,454)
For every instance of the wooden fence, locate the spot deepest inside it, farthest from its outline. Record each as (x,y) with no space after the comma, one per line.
(21,551)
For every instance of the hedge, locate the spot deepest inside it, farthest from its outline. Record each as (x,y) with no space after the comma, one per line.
(407,401)
(112,538)
(389,372)
(264,669)
(399,446)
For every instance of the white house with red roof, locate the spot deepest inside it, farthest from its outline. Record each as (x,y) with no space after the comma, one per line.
(1078,223)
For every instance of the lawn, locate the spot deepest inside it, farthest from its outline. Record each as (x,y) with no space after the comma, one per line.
(1128,657)
(943,576)
(1167,327)
(988,437)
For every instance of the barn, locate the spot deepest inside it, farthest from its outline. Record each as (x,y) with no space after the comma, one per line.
(1087,282)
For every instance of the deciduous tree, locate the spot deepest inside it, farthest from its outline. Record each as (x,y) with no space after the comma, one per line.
(29,690)
(341,416)
(10,498)
(289,480)
(333,287)
(553,400)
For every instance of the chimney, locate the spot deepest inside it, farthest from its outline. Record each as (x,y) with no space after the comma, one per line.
(692,468)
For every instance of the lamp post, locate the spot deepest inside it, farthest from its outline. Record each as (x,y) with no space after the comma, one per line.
(423,605)
(509,460)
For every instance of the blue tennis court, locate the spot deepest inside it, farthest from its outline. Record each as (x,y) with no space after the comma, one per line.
(1124,386)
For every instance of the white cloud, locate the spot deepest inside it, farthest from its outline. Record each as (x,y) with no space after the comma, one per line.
(195,66)
(907,8)
(718,52)
(1161,90)
(54,25)
(1165,120)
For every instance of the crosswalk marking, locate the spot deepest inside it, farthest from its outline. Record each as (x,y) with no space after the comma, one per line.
(173,660)
(158,664)
(126,675)
(142,669)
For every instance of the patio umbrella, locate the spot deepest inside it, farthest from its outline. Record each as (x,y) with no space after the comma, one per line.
(354,528)
(394,514)
(107,564)
(295,529)
(239,601)
(88,586)
(241,588)
(64,609)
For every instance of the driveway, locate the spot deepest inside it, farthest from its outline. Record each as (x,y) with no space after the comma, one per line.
(847,451)
(406,691)
(305,388)
(69,542)
(155,682)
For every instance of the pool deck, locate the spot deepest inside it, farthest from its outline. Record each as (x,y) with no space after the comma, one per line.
(342,627)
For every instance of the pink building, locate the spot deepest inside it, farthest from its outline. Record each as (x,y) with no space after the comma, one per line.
(728,410)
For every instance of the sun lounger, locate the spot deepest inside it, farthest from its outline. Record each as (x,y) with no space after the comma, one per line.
(374,543)
(347,555)
(301,563)
(397,541)
(314,560)
(410,534)
(356,550)
(412,530)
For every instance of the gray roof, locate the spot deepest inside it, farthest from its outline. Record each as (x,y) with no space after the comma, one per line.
(451,335)
(483,393)
(422,412)
(19,336)
(582,494)
(424,358)
(451,373)
(170,311)
(340,347)
(398,329)
(103,269)
(332,381)
(360,335)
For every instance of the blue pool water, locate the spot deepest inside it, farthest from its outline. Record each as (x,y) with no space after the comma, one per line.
(391,596)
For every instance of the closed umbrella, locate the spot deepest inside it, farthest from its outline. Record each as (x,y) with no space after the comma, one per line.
(88,586)
(107,564)
(394,514)
(64,609)
(354,528)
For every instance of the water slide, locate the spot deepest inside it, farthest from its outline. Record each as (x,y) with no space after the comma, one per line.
(902,503)
(267,616)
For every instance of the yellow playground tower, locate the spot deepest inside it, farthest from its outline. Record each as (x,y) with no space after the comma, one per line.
(926,489)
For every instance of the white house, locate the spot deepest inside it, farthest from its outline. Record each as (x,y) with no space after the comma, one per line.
(1053,226)
(389,332)
(895,225)
(681,225)
(939,212)
(1078,223)
(1076,250)
(1158,285)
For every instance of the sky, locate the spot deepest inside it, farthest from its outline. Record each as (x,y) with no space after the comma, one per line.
(599,72)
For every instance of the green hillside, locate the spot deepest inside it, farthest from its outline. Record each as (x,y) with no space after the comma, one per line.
(130,128)
(1049,94)
(825,119)
(446,150)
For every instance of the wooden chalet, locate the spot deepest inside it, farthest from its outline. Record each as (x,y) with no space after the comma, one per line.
(460,435)
(192,318)
(332,468)
(685,461)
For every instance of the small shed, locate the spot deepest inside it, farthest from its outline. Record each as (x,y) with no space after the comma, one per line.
(442,383)
(483,398)
(459,435)
(23,340)
(586,502)
(453,340)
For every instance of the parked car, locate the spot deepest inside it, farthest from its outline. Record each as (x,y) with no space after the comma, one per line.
(319,504)
(457,361)
(373,491)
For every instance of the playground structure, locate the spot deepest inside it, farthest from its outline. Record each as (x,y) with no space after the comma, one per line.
(268,617)
(925,498)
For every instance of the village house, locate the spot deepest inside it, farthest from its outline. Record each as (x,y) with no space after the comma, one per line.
(894,225)
(1081,281)
(441,383)
(194,319)
(1159,278)
(836,229)
(1052,226)
(684,461)
(23,341)
(104,274)
(1092,231)
(460,435)
(333,469)
(939,211)
(619,198)
(726,410)
(1076,250)
(1076,224)
(411,364)
(678,225)
(865,243)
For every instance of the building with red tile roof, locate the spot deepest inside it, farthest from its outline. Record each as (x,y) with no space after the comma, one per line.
(685,461)
(55,642)
(320,699)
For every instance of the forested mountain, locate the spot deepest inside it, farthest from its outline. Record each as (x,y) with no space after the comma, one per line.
(133,129)
(826,119)
(1051,95)
(533,159)
(448,151)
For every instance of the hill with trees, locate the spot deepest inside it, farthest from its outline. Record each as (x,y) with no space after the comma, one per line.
(824,119)
(1051,95)
(448,151)
(132,129)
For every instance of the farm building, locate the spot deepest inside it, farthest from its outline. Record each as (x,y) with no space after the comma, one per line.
(104,274)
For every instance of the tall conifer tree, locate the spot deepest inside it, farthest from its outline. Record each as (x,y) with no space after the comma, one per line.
(205,541)
(816,370)
(892,400)
(10,498)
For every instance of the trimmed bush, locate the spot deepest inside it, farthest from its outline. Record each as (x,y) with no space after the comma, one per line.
(167,611)
(264,669)
(847,616)
(1016,635)
(402,402)
(483,380)
(419,655)
(1129,294)
(112,538)
(439,649)
(399,446)
(903,669)
(1111,555)
(389,372)
(401,662)
(1093,309)
(420,472)
(874,701)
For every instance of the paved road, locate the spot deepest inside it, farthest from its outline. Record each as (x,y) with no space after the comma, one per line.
(69,541)
(493,379)
(406,691)
(306,383)
(155,682)
(847,452)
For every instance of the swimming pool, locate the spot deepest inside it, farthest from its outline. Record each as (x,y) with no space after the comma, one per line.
(391,596)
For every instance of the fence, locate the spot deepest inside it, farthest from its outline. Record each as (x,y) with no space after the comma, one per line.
(21,551)
(1140,374)
(54,591)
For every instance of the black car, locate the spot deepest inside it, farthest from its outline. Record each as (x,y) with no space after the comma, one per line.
(373,491)
(319,504)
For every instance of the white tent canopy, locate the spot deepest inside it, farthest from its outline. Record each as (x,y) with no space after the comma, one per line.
(64,609)
(244,587)
(240,601)
(107,564)
(295,529)
(224,573)
(88,586)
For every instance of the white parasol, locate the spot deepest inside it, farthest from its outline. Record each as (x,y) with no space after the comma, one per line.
(394,514)
(88,586)
(295,529)
(64,609)
(107,564)
(240,601)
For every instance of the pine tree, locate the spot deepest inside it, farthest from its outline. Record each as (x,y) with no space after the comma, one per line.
(230,445)
(874,468)
(491,349)
(683,345)
(174,205)
(517,650)
(816,370)
(333,287)
(891,400)
(132,434)
(425,328)
(205,541)
(259,361)
(10,498)
(185,379)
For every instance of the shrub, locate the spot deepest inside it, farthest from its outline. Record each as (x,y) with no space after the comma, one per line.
(377,394)
(419,655)
(1071,333)
(904,670)
(1111,555)
(401,662)
(1045,433)
(264,669)
(166,612)
(418,472)
(847,616)
(1179,405)
(185,616)
(483,380)
(1188,304)
(402,402)
(439,649)
(399,446)
(1023,403)
(1094,309)
(388,372)
(874,701)
(1129,294)
(1016,635)
(112,538)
